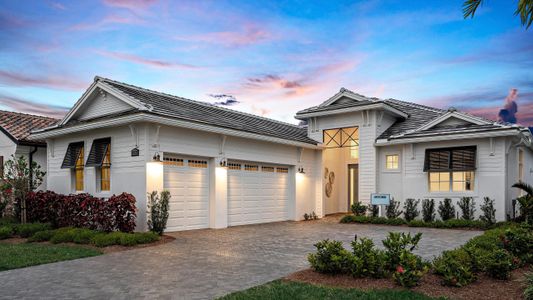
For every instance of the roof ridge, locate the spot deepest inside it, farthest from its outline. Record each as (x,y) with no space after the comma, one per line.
(29,115)
(421,106)
(194,101)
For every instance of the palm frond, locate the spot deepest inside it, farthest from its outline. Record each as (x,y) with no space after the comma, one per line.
(525,187)
(525,10)
(470,7)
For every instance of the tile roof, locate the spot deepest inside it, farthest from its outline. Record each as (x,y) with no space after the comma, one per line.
(202,112)
(19,125)
(459,129)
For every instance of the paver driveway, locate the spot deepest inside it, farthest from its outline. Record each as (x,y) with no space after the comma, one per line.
(202,264)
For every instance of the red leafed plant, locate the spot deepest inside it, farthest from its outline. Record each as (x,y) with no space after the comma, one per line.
(83,210)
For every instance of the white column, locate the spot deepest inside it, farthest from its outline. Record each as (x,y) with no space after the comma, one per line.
(218,194)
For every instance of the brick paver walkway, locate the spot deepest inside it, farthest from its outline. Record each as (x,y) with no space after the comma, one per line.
(202,264)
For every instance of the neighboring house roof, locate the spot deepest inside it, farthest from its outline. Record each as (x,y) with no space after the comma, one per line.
(157,103)
(18,126)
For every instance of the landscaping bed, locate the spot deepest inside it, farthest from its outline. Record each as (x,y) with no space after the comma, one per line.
(430,285)
(448,224)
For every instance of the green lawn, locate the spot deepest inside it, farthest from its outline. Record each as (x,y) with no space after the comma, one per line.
(293,290)
(14,256)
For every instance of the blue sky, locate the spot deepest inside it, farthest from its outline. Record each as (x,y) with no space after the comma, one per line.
(273,58)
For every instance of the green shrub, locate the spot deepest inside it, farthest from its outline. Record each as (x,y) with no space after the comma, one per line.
(379,220)
(519,242)
(374,211)
(106,239)
(528,292)
(499,264)
(366,261)
(28,229)
(468,208)
(428,210)
(63,235)
(455,267)
(410,208)
(158,207)
(330,257)
(418,223)
(409,270)
(393,209)
(488,212)
(462,223)
(359,209)
(446,209)
(42,236)
(396,243)
(83,235)
(8,221)
(6,232)
(395,221)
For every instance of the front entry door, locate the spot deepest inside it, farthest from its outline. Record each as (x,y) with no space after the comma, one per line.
(353,184)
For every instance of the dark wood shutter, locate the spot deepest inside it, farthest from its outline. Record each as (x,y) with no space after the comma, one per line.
(450,159)
(98,151)
(73,152)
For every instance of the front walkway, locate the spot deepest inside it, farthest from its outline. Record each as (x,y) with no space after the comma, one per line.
(202,264)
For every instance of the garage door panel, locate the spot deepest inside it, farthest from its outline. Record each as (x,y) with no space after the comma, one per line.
(257,196)
(189,202)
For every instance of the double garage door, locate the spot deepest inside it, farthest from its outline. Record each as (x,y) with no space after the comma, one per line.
(257,193)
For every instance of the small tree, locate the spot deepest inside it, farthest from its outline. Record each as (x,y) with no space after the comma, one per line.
(488,211)
(428,210)
(374,211)
(393,211)
(446,209)
(20,177)
(410,208)
(158,208)
(468,208)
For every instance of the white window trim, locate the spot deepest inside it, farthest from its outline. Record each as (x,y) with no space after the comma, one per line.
(400,161)
(472,193)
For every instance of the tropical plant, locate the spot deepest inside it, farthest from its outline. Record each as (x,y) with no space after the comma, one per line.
(396,243)
(524,9)
(411,211)
(158,206)
(468,208)
(428,210)
(330,257)
(488,211)
(359,209)
(525,201)
(392,210)
(21,177)
(446,209)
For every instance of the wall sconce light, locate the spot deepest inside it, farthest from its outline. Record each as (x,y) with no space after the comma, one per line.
(156,157)
(223,163)
(301,170)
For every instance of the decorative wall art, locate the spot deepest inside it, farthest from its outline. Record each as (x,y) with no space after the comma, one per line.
(330,176)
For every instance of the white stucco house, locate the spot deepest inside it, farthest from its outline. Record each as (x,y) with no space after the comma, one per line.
(226,168)
(15,129)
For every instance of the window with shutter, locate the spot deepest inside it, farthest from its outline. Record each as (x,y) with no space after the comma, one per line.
(450,169)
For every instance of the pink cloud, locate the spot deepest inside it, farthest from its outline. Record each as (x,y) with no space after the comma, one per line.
(133,5)
(108,21)
(249,35)
(50,81)
(30,107)
(145,61)
(524,115)
(260,111)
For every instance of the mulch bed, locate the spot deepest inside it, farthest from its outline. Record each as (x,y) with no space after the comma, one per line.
(484,288)
(110,249)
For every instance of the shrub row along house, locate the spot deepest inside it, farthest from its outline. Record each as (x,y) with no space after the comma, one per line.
(225,168)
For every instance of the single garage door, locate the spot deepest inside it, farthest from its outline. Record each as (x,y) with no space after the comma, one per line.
(257,193)
(187,180)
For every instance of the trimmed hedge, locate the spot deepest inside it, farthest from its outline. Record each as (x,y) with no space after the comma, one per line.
(82,210)
(22,230)
(93,237)
(452,223)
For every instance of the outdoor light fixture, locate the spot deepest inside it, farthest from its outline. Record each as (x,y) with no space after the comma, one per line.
(156,157)
(301,170)
(223,163)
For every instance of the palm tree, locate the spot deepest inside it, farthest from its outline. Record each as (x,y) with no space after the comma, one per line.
(524,9)
(526,201)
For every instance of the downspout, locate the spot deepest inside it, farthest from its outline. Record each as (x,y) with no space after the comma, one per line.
(31,169)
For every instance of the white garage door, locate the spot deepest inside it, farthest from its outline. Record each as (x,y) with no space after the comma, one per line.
(257,193)
(188,183)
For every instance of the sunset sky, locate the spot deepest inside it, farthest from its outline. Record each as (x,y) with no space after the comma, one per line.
(268,58)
